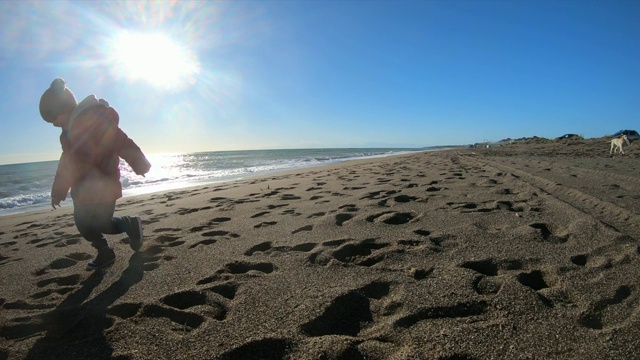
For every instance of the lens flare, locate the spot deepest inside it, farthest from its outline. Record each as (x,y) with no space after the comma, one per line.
(154,58)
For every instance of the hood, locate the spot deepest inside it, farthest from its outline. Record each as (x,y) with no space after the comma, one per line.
(88,102)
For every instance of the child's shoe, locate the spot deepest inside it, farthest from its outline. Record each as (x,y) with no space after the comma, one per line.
(106,257)
(135,232)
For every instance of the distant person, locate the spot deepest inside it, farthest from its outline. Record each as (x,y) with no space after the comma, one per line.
(92,145)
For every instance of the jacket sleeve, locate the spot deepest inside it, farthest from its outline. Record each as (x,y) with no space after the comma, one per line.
(131,153)
(63,179)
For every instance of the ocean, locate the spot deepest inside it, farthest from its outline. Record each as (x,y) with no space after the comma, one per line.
(26,187)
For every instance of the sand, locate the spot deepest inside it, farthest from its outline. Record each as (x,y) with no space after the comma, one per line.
(504,253)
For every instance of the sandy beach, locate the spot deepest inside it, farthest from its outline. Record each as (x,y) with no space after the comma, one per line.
(523,251)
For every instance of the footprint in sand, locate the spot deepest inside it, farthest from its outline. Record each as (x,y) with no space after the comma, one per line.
(405,198)
(60,239)
(161,230)
(221,287)
(287,197)
(547,235)
(491,267)
(580,260)
(204,301)
(435,244)
(262,213)
(239,268)
(36,226)
(265,224)
(46,293)
(334,243)
(360,313)
(187,309)
(352,313)
(60,281)
(434,189)
(210,224)
(343,218)
(537,281)
(154,219)
(203,242)
(226,204)
(4,260)
(487,283)
(276,348)
(349,208)
(64,262)
(421,274)
(151,256)
(392,218)
(56,286)
(8,244)
(183,321)
(361,253)
(69,240)
(459,310)
(220,233)
(304,228)
(185,211)
(610,311)
(170,241)
(212,236)
(377,195)
(243,267)
(267,248)
(291,212)
(346,315)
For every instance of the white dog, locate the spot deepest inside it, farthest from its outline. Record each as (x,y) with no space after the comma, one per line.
(616,144)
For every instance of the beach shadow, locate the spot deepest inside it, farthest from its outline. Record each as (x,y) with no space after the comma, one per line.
(75,328)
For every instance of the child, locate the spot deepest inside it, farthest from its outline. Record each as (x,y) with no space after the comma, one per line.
(92,145)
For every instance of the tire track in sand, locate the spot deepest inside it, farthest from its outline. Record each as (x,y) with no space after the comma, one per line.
(620,219)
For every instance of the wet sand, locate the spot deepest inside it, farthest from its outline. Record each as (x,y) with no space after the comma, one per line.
(523,251)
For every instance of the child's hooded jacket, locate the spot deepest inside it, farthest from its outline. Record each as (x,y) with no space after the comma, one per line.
(92,145)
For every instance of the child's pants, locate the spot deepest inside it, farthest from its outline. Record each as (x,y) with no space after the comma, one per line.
(94,220)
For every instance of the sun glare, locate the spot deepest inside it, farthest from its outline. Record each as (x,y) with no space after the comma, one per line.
(154,58)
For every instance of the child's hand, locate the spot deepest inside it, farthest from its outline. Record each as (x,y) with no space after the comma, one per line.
(54,203)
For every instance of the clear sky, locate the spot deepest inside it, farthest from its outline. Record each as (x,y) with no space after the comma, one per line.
(198,76)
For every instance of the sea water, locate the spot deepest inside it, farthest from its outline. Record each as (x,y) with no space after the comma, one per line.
(27,187)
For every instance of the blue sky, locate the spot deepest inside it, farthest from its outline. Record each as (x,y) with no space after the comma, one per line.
(304,74)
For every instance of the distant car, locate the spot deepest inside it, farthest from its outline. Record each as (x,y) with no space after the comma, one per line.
(570,136)
(631,134)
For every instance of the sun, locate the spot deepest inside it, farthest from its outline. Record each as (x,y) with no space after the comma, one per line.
(152,57)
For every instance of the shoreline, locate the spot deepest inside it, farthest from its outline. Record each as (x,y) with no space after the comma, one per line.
(151,189)
(437,255)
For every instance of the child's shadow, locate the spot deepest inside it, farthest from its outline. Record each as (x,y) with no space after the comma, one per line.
(75,329)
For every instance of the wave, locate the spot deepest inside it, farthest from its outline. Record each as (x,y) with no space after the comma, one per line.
(24,200)
(28,185)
